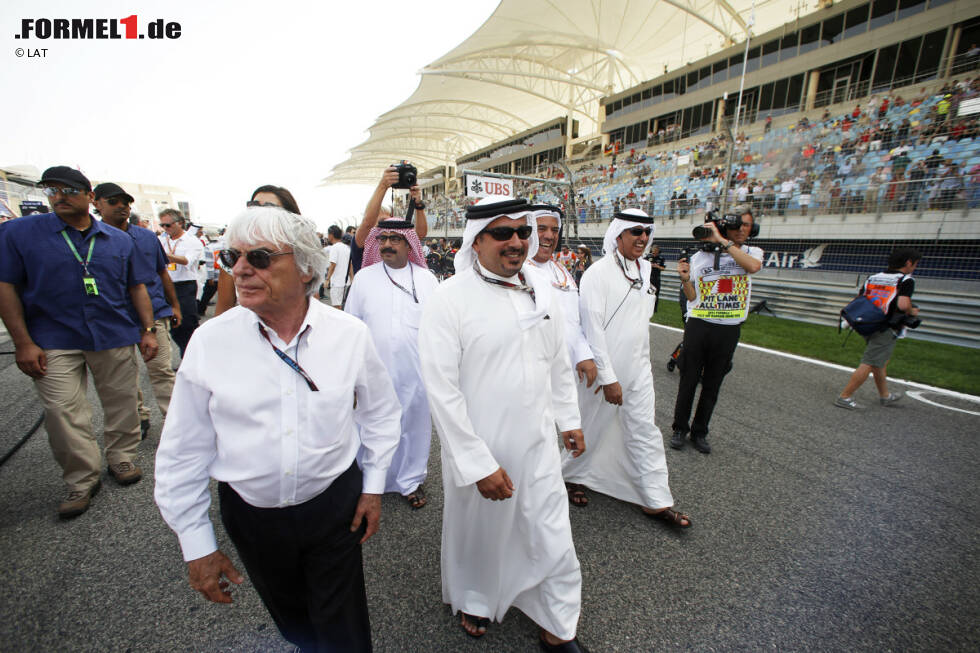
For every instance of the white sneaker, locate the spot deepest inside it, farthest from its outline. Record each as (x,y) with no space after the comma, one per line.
(890,399)
(845,402)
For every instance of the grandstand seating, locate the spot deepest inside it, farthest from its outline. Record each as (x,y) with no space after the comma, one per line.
(649,176)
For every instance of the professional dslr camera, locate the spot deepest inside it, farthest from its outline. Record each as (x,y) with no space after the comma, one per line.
(408,175)
(900,319)
(727,221)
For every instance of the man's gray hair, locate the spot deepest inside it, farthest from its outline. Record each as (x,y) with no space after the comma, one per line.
(279,227)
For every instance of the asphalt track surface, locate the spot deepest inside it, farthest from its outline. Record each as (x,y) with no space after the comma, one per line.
(814,529)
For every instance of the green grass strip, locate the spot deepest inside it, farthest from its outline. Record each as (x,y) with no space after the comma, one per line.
(933,363)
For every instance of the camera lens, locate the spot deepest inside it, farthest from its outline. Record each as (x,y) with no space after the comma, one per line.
(700,232)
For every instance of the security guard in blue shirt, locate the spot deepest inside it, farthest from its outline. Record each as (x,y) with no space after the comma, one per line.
(67,282)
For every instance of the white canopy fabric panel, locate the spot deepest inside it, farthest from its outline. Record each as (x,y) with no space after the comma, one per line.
(536,60)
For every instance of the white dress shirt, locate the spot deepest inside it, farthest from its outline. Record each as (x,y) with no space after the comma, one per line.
(240,414)
(187,246)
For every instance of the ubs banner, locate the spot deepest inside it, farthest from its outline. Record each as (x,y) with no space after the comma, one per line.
(958,259)
(477,186)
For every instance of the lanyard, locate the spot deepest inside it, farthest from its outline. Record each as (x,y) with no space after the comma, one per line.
(401,287)
(635,284)
(522,286)
(88,258)
(564,282)
(289,361)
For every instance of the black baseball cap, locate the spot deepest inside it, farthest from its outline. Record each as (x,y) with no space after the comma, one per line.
(67,176)
(110,189)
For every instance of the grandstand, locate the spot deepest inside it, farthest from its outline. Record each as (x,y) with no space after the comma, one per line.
(849,129)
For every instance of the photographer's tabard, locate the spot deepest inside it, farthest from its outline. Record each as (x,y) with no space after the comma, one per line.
(723,294)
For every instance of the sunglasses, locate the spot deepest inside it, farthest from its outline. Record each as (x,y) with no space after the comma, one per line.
(51,191)
(252,203)
(259,259)
(504,234)
(112,201)
(394,239)
(166,225)
(639,231)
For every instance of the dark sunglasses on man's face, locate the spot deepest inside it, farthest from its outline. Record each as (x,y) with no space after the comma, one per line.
(394,239)
(252,203)
(112,201)
(504,234)
(166,225)
(259,259)
(51,191)
(639,231)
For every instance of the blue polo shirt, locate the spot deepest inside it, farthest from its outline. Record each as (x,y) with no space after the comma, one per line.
(149,249)
(35,258)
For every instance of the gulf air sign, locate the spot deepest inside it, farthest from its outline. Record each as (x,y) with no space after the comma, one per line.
(477,186)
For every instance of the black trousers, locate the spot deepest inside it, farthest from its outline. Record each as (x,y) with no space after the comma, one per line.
(306,564)
(187,298)
(210,288)
(708,351)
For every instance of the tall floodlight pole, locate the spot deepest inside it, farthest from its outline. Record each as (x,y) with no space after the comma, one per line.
(733,132)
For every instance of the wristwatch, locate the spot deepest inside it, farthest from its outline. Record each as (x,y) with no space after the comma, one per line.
(151,329)
(420,205)
(727,245)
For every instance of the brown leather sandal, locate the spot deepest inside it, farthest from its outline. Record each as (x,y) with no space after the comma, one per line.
(670,516)
(480,623)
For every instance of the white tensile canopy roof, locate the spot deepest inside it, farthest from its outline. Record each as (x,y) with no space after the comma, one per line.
(536,60)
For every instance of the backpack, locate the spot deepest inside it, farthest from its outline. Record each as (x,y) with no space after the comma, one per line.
(868,312)
(863,316)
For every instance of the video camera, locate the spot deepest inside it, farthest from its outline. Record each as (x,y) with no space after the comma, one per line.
(408,175)
(724,222)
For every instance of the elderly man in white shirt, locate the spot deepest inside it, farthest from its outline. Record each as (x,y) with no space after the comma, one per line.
(266,402)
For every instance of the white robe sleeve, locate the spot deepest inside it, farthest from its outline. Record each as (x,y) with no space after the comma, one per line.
(592,305)
(563,392)
(378,414)
(188,445)
(578,346)
(441,353)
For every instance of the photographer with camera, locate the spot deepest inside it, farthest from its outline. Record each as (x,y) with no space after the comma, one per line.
(717,284)
(400,175)
(891,291)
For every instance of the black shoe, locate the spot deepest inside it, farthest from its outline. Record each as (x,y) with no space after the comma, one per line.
(144,428)
(568,647)
(700,443)
(677,441)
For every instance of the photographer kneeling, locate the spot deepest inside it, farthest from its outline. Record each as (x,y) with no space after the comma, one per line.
(718,289)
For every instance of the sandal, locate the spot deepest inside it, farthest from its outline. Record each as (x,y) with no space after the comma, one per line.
(480,623)
(576,494)
(670,516)
(417,499)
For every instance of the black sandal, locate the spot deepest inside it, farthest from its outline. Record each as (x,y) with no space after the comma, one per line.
(478,622)
(577,495)
(417,499)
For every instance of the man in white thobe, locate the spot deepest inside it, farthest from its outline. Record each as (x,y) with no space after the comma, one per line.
(626,449)
(499,381)
(388,295)
(565,292)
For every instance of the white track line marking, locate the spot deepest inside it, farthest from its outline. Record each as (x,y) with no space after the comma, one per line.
(915,394)
(835,366)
